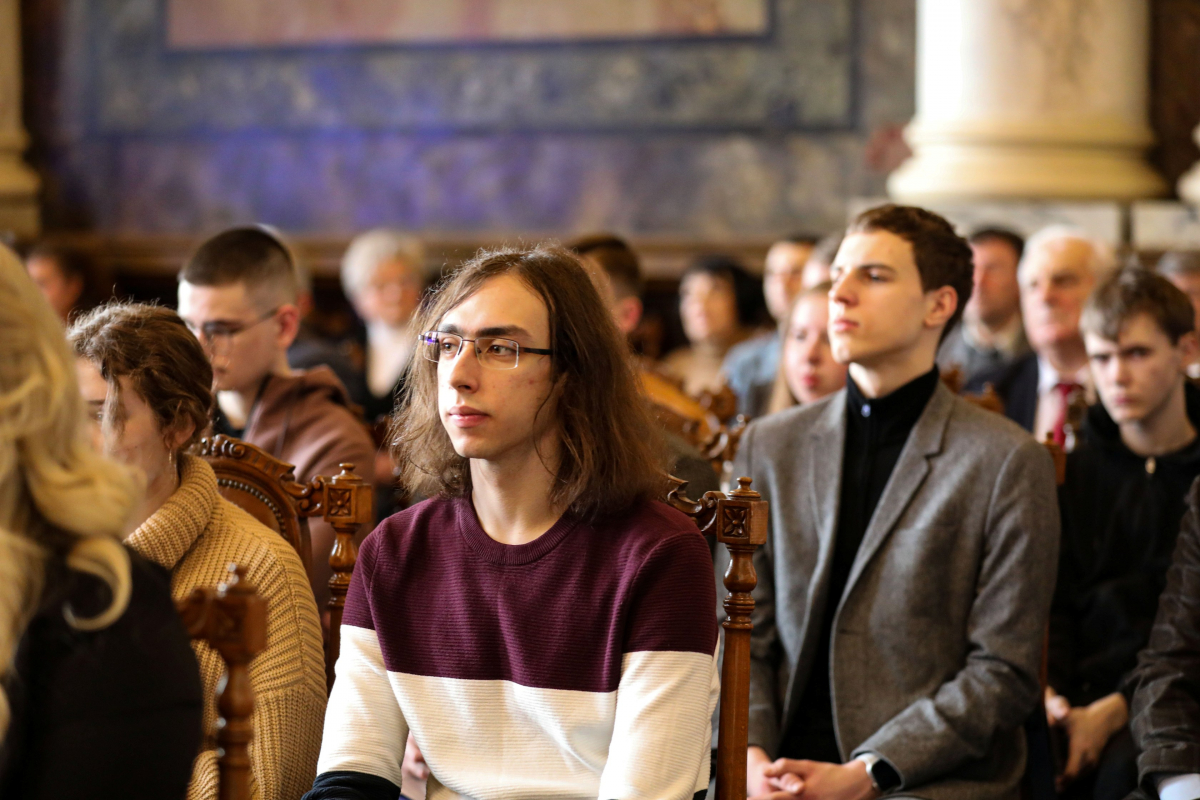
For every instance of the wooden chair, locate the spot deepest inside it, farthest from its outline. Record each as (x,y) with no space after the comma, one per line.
(267,489)
(232,618)
(738,521)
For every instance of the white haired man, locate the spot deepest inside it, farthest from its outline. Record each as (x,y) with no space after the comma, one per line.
(1060,267)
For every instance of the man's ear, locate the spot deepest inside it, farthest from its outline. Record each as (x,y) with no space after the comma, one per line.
(940,306)
(1189,348)
(288,319)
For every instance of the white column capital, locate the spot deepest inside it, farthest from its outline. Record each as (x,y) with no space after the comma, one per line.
(1030,99)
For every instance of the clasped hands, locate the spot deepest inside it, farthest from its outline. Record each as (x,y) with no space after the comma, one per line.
(797,779)
(1088,730)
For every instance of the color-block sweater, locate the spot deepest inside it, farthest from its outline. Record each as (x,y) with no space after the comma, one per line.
(579,665)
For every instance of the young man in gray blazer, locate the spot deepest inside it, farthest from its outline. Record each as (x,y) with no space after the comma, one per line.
(904,590)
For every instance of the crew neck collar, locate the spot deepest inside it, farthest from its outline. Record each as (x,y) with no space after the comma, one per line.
(508,555)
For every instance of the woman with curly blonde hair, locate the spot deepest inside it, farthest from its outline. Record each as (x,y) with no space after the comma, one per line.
(101,693)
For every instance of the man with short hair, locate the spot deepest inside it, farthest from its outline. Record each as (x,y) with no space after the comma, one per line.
(1121,507)
(1058,271)
(543,623)
(751,366)
(990,336)
(905,585)
(238,294)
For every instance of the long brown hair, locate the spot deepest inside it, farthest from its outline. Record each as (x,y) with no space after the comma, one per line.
(612,451)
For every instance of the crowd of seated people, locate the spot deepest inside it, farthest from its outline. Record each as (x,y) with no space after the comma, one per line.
(542,625)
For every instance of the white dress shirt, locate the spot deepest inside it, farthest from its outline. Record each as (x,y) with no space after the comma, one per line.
(1049,404)
(388,351)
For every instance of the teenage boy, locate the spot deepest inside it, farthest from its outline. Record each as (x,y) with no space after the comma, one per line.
(906,584)
(238,294)
(1121,508)
(542,625)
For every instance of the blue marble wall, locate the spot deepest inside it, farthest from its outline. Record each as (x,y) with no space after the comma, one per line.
(743,136)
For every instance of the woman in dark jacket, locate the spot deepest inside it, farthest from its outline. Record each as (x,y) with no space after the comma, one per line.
(101,692)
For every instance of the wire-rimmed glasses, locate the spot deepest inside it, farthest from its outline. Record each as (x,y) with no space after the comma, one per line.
(493,352)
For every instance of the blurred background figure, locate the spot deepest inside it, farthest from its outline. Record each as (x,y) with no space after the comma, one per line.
(750,367)
(96,667)
(383,276)
(1182,268)
(807,371)
(820,261)
(67,278)
(719,306)
(991,335)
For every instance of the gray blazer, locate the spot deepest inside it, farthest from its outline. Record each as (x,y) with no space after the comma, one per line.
(938,636)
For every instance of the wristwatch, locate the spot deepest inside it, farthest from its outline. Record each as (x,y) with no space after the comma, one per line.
(882,774)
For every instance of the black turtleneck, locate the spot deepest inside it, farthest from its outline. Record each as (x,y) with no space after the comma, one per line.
(1121,514)
(876,431)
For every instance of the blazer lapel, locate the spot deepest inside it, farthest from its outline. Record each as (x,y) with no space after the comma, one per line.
(827,448)
(909,473)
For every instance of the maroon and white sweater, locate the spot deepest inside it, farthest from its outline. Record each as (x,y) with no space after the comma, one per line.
(579,665)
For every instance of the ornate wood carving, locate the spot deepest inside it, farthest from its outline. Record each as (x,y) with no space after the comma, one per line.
(232,618)
(348,505)
(738,521)
(255,480)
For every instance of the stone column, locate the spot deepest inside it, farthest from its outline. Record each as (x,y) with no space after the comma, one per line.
(1030,99)
(18,183)
(1189,183)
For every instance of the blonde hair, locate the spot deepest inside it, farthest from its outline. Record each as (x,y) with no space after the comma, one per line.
(58,497)
(781,394)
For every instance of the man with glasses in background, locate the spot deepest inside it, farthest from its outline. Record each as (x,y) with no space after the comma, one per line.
(238,294)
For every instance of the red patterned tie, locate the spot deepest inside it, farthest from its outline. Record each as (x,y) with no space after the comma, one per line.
(1065,390)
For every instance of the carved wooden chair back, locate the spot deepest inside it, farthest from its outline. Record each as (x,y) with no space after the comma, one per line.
(262,486)
(738,520)
(266,487)
(679,413)
(232,618)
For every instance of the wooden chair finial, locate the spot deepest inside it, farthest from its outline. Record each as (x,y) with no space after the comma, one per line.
(232,619)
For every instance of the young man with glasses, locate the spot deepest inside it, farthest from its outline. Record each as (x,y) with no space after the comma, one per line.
(237,294)
(543,624)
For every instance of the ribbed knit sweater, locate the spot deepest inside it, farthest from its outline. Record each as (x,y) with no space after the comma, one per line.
(196,534)
(579,665)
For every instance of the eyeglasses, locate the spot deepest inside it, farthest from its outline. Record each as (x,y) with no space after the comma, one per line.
(492,352)
(217,336)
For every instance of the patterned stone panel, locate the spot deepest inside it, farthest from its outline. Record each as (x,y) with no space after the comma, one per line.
(797,76)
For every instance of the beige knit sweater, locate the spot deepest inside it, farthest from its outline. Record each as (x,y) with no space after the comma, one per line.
(196,534)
